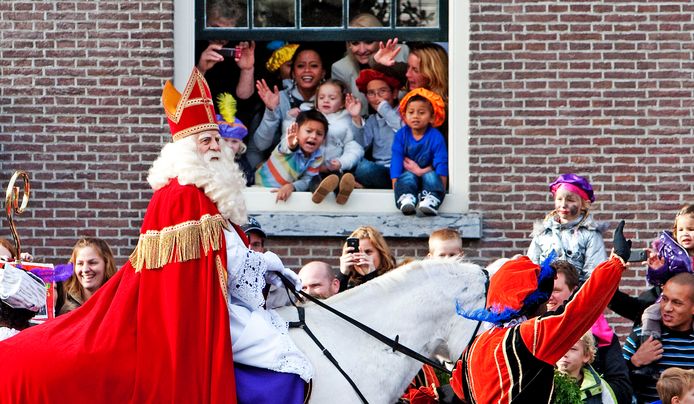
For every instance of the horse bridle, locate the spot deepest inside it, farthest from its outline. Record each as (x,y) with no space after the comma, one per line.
(392,343)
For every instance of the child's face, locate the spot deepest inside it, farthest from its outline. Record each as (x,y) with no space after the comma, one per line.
(286,70)
(685,232)
(418,115)
(560,292)
(567,204)
(688,397)
(573,360)
(311,135)
(329,99)
(377,91)
(445,248)
(235,144)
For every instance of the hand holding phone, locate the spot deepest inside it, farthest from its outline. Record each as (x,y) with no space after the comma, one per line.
(638,256)
(354,243)
(227,52)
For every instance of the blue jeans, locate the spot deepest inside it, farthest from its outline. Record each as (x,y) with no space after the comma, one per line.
(372,175)
(409,183)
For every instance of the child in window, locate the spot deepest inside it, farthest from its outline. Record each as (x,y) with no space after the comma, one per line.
(280,62)
(297,157)
(675,386)
(232,130)
(419,163)
(569,229)
(342,152)
(576,363)
(378,131)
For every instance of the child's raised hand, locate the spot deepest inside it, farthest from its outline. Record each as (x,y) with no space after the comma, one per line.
(352,105)
(293,136)
(386,53)
(271,98)
(283,192)
(653,260)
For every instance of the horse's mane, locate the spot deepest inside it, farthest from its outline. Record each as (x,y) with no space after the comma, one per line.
(413,273)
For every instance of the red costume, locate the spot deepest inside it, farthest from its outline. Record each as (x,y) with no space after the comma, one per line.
(157,331)
(515,363)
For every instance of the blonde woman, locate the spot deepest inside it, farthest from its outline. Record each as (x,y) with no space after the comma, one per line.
(372,259)
(93,266)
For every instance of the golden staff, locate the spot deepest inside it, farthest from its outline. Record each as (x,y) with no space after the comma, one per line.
(12,205)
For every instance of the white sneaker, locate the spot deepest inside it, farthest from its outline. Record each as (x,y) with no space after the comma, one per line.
(429,204)
(407,203)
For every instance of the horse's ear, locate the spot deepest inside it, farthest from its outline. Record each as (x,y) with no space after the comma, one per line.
(494,266)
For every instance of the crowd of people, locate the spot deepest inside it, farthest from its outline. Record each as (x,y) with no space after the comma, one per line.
(374,118)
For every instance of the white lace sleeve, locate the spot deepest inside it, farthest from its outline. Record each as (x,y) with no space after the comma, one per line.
(246,270)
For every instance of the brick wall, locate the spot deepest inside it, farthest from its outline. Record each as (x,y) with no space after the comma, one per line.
(603,89)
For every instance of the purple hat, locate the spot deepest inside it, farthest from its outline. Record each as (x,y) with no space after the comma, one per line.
(234,130)
(573,183)
(676,259)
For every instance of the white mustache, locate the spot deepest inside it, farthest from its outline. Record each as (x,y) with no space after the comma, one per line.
(212,155)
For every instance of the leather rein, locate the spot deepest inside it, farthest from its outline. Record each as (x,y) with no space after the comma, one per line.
(394,344)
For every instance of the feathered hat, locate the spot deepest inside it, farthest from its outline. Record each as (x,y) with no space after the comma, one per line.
(280,56)
(192,111)
(368,75)
(517,289)
(434,99)
(573,183)
(230,127)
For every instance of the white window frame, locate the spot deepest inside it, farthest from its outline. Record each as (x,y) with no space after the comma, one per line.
(365,201)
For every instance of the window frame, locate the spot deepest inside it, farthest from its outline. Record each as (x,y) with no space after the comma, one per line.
(364,201)
(343,33)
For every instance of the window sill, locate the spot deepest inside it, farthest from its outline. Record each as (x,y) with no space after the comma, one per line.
(299,216)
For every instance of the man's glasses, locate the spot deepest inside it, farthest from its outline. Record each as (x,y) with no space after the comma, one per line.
(381,92)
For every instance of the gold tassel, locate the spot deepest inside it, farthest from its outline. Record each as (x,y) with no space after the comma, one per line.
(178,243)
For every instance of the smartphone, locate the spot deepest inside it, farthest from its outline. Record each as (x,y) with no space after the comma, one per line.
(638,256)
(354,243)
(227,52)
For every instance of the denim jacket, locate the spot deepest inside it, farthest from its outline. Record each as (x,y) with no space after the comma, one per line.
(581,245)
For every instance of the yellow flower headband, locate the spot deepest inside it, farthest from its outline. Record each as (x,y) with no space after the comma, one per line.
(280,57)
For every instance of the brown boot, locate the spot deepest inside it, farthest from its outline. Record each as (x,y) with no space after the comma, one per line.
(325,187)
(346,187)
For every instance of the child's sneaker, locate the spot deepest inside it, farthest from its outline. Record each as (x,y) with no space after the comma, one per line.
(429,204)
(406,203)
(325,187)
(346,187)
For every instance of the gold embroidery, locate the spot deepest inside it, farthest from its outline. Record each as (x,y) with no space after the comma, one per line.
(193,130)
(222,274)
(178,243)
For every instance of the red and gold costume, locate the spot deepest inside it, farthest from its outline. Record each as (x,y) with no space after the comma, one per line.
(515,363)
(157,331)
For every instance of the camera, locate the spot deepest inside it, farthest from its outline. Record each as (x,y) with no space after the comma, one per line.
(227,52)
(638,256)
(354,243)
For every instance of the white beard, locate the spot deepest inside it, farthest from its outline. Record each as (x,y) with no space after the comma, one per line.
(221,179)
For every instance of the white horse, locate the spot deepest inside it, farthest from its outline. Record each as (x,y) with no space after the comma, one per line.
(416,302)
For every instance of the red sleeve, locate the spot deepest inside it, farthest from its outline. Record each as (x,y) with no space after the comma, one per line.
(549,338)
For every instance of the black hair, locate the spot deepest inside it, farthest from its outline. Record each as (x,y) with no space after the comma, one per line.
(15,318)
(306,47)
(418,97)
(312,115)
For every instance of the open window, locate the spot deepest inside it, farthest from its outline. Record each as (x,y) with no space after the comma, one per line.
(294,20)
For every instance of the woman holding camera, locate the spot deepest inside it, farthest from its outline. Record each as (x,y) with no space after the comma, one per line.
(371,259)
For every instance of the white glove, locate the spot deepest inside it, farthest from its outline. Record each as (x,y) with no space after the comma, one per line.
(275,267)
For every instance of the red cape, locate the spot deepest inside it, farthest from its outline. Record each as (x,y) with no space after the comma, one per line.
(158,331)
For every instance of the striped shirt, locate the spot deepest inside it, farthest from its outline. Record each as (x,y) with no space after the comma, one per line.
(289,167)
(678,351)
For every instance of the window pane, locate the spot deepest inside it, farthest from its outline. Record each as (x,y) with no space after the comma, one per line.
(321,13)
(369,12)
(418,13)
(226,13)
(273,13)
